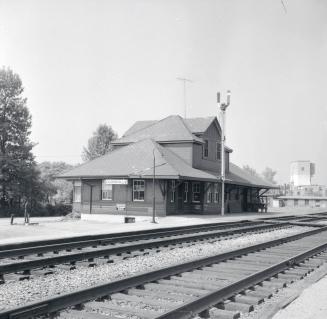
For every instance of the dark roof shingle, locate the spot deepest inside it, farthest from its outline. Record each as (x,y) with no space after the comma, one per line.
(171,128)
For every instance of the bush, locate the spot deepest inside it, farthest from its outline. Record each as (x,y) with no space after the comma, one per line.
(55,210)
(39,211)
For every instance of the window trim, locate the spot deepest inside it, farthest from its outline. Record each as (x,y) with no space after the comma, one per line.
(209,194)
(216,189)
(199,192)
(102,190)
(185,199)
(133,191)
(218,150)
(206,149)
(77,184)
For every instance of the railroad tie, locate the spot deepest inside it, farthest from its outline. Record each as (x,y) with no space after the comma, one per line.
(111,308)
(211,277)
(250,300)
(229,272)
(297,271)
(266,291)
(168,288)
(223,314)
(274,284)
(16,277)
(265,294)
(163,295)
(149,300)
(41,272)
(188,284)
(235,306)
(80,314)
(289,277)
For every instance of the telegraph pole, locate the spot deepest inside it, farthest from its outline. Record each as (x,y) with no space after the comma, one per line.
(223,107)
(184,92)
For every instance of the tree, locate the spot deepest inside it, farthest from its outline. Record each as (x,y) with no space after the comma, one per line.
(269,175)
(17,165)
(100,143)
(57,190)
(250,170)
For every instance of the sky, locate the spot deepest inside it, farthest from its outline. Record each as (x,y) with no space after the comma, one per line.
(88,62)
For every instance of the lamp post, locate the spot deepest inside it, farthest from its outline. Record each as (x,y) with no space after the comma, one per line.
(223,107)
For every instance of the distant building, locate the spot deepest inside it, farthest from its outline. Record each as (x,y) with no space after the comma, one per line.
(301,191)
(300,201)
(301,173)
(188,172)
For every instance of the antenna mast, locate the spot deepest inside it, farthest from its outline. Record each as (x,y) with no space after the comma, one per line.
(184,90)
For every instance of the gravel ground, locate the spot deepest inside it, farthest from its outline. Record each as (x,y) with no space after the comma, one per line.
(21,292)
(311,304)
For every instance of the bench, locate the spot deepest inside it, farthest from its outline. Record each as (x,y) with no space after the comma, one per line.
(129,220)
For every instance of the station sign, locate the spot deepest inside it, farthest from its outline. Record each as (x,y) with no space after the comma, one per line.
(116,181)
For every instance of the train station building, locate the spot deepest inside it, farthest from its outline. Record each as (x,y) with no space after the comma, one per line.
(178,160)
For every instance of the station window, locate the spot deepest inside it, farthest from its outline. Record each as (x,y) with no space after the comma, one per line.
(173,191)
(209,193)
(218,151)
(77,191)
(185,192)
(106,190)
(138,190)
(216,193)
(206,148)
(306,202)
(296,202)
(196,192)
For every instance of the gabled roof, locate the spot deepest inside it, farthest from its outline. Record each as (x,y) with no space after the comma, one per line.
(195,125)
(199,124)
(171,128)
(137,126)
(136,160)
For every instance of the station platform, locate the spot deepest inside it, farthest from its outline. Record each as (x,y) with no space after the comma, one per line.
(44,228)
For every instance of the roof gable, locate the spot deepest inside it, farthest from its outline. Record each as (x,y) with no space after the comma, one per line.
(199,125)
(171,128)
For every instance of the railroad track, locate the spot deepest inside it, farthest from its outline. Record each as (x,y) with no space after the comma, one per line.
(221,286)
(89,240)
(24,263)
(309,219)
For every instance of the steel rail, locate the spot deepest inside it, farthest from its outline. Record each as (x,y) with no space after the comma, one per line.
(89,238)
(63,301)
(111,240)
(74,257)
(189,309)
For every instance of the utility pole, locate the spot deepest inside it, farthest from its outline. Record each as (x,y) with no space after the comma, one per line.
(184,92)
(154,189)
(223,107)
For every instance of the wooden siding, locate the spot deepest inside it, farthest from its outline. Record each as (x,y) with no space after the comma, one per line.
(122,194)
(183,150)
(211,162)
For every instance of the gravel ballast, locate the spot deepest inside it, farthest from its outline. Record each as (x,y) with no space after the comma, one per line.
(17,293)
